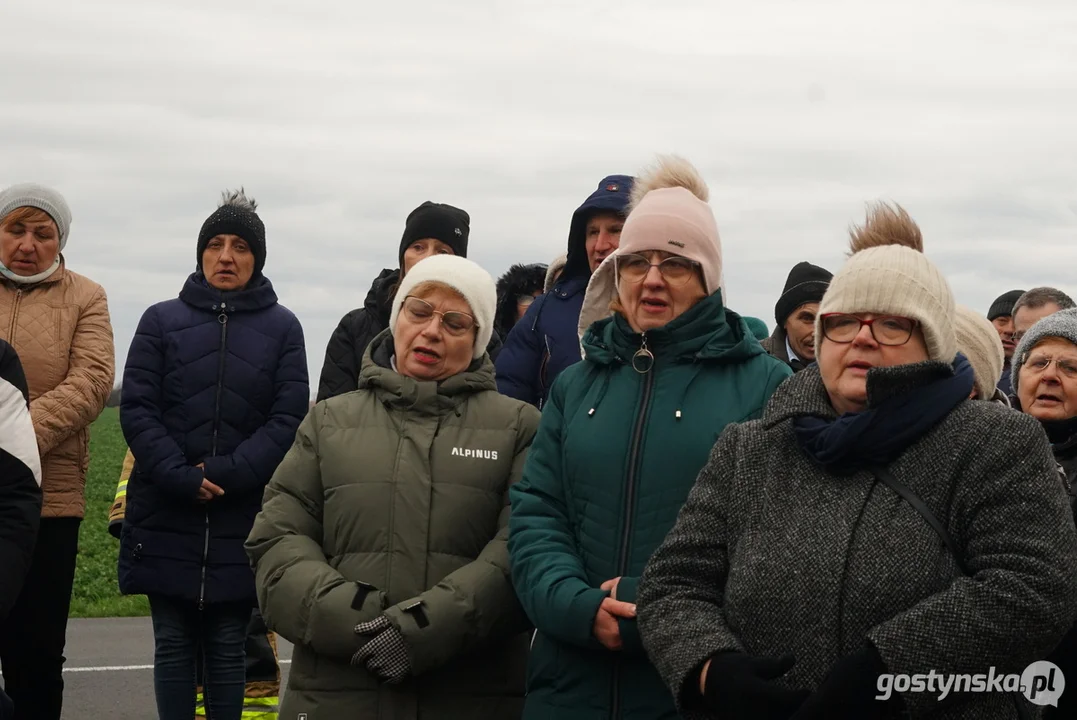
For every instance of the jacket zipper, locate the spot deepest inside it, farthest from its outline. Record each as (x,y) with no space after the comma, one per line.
(223,320)
(630,502)
(14,317)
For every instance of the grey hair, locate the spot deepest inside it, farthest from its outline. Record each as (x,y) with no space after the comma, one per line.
(1040,296)
(238,199)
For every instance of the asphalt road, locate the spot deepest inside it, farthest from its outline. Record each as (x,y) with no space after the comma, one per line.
(109,669)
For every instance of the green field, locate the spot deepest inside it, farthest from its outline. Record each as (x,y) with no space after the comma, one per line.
(96,592)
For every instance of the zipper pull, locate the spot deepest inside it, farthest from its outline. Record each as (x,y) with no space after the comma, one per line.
(643,360)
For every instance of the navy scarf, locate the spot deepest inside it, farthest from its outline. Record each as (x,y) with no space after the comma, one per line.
(876,437)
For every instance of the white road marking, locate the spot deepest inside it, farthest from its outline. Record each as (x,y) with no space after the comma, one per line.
(124,668)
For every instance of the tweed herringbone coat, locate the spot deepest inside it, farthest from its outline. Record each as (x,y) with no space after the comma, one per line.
(771,554)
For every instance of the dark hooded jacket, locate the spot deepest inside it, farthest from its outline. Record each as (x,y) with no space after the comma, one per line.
(344,353)
(214,378)
(517,280)
(20,479)
(1063,437)
(546,340)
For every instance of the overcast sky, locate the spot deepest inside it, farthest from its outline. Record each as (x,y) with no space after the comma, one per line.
(340,117)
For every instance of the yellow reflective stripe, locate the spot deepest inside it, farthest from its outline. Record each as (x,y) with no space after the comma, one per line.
(253,708)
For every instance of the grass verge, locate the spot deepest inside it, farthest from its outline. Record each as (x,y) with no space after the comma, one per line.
(96,592)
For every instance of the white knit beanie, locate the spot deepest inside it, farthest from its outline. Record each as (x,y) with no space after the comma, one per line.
(668,212)
(978,340)
(465,277)
(888,274)
(40,197)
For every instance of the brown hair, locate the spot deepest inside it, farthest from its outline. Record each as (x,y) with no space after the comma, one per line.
(25,214)
(886,225)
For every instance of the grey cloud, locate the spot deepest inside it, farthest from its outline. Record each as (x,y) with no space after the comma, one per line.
(341,117)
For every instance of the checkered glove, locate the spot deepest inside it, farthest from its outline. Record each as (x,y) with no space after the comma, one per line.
(386,654)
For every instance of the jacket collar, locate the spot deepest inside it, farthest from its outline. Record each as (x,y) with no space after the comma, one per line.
(425,397)
(805,394)
(379,299)
(779,344)
(1062,434)
(52,279)
(706,332)
(568,286)
(258,295)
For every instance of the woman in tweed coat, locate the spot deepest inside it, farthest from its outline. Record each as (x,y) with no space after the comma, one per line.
(796,576)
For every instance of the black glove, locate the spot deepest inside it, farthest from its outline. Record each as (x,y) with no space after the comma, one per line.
(740,686)
(848,691)
(386,654)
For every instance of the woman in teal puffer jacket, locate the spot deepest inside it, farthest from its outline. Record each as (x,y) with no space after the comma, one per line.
(622,438)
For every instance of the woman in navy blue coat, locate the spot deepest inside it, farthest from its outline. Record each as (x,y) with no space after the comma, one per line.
(214,388)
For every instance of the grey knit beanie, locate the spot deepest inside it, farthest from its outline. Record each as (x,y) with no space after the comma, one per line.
(1062,324)
(42,198)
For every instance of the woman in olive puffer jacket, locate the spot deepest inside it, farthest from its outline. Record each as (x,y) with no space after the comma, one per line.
(381,548)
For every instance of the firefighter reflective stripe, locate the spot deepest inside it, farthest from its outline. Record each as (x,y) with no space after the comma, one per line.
(119,504)
(260,708)
(261,692)
(254,708)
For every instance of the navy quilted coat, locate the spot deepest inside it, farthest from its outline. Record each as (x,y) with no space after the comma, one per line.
(214,378)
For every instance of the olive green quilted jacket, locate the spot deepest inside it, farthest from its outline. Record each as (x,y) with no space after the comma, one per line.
(394,501)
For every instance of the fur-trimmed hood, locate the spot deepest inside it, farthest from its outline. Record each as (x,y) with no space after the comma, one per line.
(517,280)
(551,272)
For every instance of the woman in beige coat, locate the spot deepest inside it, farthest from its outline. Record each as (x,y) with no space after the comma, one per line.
(58,323)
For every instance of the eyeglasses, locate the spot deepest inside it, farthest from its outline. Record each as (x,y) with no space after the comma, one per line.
(420,311)
(675,270)
(1039,363)
(525,300)
(886,329)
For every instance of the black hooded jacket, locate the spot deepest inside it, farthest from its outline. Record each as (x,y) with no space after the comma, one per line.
(517,280)
(20,478)
(344,353)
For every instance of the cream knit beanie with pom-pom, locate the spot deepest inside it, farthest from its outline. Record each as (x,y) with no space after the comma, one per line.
(888,274)
(978,340)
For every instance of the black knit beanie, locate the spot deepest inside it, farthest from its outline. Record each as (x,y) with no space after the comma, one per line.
(446,223)
(1003,305)
(236,216)
(806,283)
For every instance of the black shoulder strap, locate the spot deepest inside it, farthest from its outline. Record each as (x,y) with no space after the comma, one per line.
(913,499)
(1024,712)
